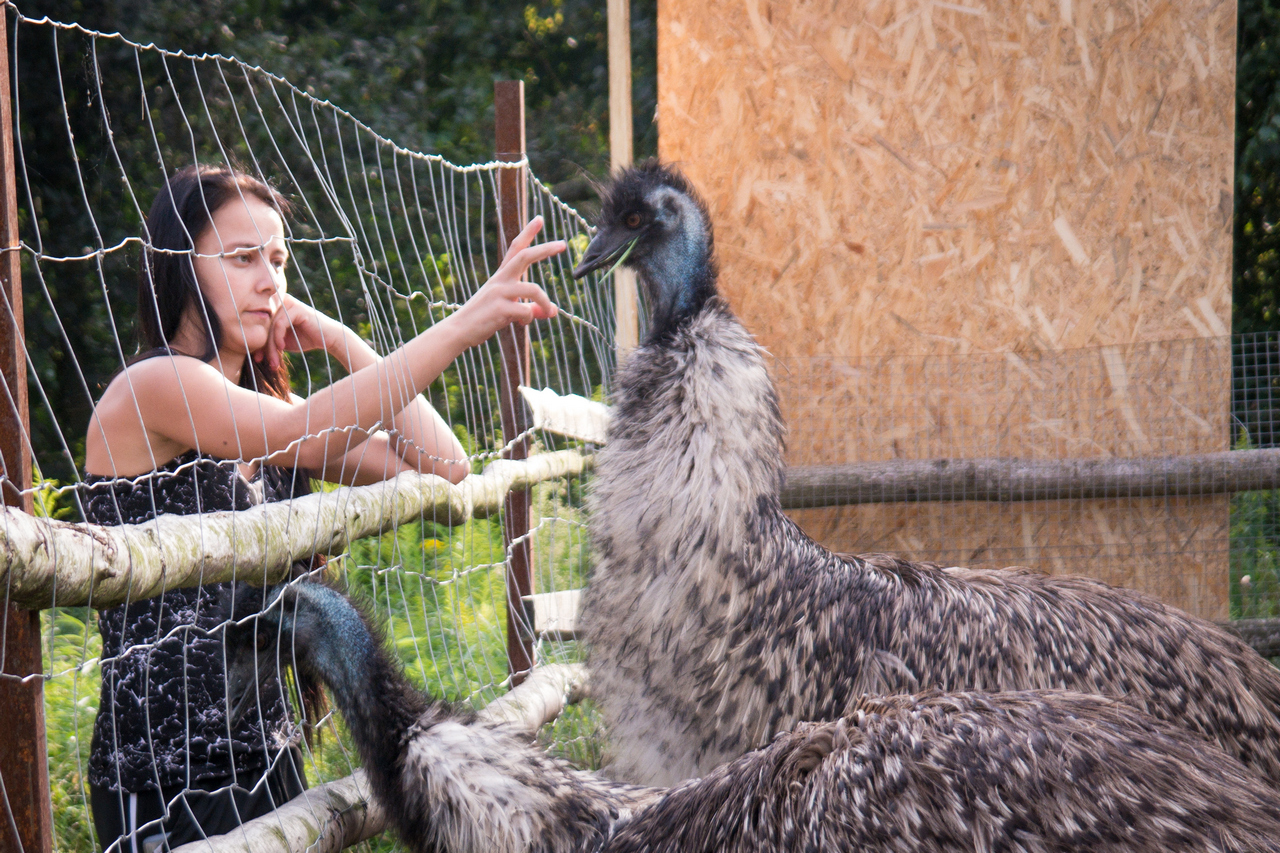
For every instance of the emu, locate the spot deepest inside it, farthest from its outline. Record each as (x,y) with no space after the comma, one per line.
(713,622)
(1048,771)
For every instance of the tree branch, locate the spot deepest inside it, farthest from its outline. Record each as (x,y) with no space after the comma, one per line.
(325,819)
(44,563)
(540,698)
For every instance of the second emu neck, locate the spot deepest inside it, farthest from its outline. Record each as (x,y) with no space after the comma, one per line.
(368,687)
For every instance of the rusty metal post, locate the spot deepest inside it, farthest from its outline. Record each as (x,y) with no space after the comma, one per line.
(508,105)
(26,823)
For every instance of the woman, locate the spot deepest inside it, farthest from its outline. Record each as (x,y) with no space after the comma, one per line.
(202,420)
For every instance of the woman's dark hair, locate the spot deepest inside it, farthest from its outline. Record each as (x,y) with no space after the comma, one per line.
(167,285)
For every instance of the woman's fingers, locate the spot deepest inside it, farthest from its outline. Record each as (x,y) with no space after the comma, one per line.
(522,240)
(268,354)
(280,333)
(521,254)
(536,254)
(536,297)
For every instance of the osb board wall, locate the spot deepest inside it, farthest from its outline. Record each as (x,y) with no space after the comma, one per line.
(1143,399)
(907,177)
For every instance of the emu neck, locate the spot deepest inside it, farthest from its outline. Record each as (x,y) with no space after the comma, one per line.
(679,272)
(695,449)
(373,695)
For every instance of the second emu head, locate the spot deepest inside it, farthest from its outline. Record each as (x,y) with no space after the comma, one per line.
(267,631)
(654,221)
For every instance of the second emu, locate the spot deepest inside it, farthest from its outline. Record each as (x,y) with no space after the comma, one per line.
(1033,772)
(713,622)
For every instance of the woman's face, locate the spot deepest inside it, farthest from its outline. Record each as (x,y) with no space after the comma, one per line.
(240,263)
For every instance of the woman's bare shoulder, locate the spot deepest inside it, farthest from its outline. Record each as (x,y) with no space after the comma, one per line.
(121,437)
(160,376)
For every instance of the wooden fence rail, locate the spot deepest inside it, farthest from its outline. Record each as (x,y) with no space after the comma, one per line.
(912,481)
(46,563)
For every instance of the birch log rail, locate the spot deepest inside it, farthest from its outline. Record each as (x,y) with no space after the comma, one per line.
(46,563)
(911,481)
(339,814)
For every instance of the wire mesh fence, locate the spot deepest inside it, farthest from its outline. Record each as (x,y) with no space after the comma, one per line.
(386,240)
(1145,407)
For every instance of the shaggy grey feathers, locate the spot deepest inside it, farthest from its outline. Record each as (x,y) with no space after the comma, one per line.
(1020,772)
(1034,772)
(714,622)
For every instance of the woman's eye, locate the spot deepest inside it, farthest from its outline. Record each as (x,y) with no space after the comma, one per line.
(633,221)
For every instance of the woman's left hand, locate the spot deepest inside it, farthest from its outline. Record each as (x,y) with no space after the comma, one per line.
(298,328)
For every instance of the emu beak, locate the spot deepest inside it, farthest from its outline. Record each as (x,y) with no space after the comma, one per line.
(246,679)
(605,247)
(240,701)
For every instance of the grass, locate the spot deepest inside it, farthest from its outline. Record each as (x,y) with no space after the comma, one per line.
(440,593)
(1255,555)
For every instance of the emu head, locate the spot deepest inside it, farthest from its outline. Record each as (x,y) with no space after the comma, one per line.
(309,625)
(653,221)
(252,643)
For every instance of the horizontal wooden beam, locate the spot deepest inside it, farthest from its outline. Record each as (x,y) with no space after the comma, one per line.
(914,481)
(45,563)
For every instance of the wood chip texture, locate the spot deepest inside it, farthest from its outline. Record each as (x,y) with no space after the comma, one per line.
(982,223)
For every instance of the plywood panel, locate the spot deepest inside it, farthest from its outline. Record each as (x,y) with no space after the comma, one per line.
(906,177)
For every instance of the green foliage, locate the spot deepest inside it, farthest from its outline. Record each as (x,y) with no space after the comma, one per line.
(51,500)
(443,595)
(71,650)
(577,735)
(1255,555)
(1256,279)
(1254,538)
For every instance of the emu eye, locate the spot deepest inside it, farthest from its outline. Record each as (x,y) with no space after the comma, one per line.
(633,220)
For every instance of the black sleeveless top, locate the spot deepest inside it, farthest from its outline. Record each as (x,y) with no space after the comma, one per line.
(162,718)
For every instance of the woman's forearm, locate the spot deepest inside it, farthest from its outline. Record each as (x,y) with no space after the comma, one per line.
(425,442)
(422,437)
(335,419)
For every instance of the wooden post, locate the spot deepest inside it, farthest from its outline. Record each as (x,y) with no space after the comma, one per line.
(26,823)
(508,106)
(627,319)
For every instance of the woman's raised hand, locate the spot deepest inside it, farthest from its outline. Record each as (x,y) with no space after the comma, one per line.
(298,328)
(506,298)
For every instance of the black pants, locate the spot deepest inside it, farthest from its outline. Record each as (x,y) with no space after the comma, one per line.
(137,823)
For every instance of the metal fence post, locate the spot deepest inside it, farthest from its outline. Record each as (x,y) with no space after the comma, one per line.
(26,821)
(508,103)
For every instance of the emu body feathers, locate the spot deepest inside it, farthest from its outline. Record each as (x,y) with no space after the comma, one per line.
(713,622)
(1030,772)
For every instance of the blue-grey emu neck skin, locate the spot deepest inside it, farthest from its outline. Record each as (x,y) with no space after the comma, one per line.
(713,622)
